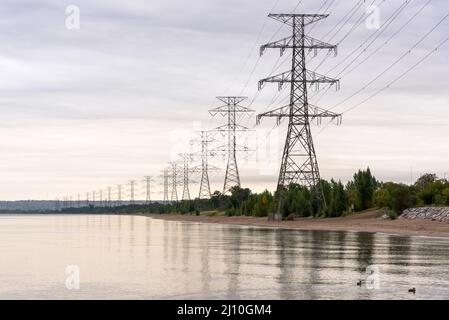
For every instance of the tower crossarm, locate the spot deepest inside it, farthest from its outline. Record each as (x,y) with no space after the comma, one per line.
(309,43)
(314,77)
(288,18)
(311,77)
(314,112)
(224,110)
(235,127)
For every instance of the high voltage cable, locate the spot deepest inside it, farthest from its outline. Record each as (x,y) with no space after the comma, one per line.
(254,46)
(390,38)
(258,59)
(359,22)
(393,64)
(356,49)
(402,75)
(278,93)
(289,55)
(384,27)
(355,26)
(343,21)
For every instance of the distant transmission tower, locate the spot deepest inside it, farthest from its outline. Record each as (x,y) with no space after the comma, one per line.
(174,181)
(299,164)
(186,159)
(57,205)
(148,180)
(233,112)
(204,139)
(109,196)
(166,177)
(119,194)
(132,184)
(93,198)
(101,198)
(87,199)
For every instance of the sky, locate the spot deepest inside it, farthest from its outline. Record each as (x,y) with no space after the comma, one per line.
(119,97)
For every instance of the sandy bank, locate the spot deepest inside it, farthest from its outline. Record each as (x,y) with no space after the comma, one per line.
(366,222)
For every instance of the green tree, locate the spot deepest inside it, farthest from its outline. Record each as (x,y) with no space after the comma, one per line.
(365,184)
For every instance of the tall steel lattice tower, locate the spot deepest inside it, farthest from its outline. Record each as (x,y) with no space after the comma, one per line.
(299,163)
(101,197)
(132,184)
(109,196)
(186,159)
(148,180)
(204,139)
(233,112)
(166,177)
(119,194)
(174,181)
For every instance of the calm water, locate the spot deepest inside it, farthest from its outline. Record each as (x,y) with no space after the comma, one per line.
(140,258)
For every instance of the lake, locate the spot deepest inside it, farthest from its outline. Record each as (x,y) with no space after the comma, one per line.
(136,257)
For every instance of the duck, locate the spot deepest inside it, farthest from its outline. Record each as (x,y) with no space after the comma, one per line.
(412,290)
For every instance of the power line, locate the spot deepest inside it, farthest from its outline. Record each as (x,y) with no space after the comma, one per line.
(408,52)
(383,28)
(402,75)
(388,40)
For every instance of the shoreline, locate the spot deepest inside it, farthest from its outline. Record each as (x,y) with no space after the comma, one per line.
(369,222)
(366,222)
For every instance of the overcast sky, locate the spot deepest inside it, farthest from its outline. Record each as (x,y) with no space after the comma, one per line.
(116,99)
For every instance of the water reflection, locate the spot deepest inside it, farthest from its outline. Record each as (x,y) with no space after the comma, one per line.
(137,257)
(232,262)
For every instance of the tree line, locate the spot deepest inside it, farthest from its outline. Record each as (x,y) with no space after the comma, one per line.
(363,192)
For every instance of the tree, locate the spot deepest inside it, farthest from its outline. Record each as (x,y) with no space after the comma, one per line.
(339,201)
(382,197)
(239,196)
(425,180)
(263,204)
(401,199)
(365,185)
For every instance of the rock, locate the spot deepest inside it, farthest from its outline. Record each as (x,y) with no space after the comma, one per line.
(440,214)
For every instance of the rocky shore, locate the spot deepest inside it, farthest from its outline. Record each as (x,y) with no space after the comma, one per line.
(440,214)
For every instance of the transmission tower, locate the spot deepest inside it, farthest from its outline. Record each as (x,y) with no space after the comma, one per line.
(186,159)
(174,181)
(57,205)
(299,164)
(148,180)
(132,184)
(233,113)
(109,196)
(93,198)
(101,198)
(204,138)
(166,177)
(87,199)
(119,194)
